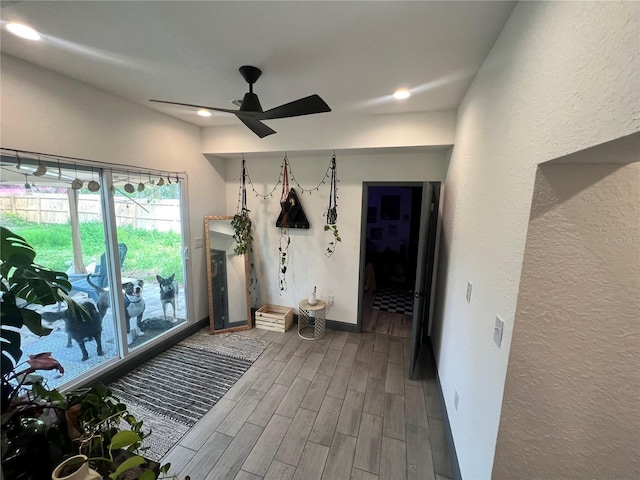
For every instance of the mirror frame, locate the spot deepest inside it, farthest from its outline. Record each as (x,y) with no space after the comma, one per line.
(212,329)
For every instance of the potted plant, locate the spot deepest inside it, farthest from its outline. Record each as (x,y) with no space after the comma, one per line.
(33,417)
(241,224)
(23,284)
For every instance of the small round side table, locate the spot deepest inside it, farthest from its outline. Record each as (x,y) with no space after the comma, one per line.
(311,317)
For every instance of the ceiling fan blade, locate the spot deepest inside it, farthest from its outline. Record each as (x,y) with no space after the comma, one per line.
(304,106)
(227,110)
(256,126)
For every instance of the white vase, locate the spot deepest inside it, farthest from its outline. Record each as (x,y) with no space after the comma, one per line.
(312,299)
(82,473)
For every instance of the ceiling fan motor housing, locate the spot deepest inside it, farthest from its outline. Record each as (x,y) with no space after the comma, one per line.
(250,103)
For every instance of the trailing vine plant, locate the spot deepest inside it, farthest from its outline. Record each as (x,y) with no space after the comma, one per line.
(334,242)
(241,224)
(285,239)
(283,261)
(332,210)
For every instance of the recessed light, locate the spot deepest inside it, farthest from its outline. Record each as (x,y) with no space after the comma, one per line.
(23,31)
(401,94)
(204,113)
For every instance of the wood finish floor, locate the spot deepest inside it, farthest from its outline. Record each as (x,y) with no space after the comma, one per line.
(337,408)
(385,323)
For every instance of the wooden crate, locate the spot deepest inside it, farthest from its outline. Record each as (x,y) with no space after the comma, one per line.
(274,317)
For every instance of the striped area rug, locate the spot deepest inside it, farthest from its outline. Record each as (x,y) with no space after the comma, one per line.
(172,391)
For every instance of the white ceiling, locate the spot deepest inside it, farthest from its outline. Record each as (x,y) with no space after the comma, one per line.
(353,54)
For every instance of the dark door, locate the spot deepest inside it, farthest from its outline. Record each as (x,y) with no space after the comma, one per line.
(421,286)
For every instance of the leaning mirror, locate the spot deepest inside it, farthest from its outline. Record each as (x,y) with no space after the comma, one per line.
(227,274)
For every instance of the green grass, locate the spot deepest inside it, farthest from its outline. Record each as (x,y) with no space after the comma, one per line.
(149,253)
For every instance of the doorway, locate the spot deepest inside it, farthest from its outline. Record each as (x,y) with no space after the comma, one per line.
(398,252)
(391,230)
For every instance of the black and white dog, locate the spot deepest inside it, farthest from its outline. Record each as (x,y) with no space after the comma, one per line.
(168,294)
(133,305)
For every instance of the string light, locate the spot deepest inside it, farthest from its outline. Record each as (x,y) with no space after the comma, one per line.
(291,176)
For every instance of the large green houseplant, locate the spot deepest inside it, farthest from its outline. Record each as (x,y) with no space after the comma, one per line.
(33,418)
(25,284)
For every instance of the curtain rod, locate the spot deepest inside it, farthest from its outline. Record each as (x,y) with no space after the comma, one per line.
(84,161)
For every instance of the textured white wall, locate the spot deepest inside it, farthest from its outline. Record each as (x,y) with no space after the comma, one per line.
(308,265)
(572,395)
(45,112)
(561,77)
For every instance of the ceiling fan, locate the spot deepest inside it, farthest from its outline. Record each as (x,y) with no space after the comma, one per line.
(251,112)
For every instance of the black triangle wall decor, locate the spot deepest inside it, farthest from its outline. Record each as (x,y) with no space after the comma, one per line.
(291,213)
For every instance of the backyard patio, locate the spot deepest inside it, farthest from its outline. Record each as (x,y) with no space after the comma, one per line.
(153,325)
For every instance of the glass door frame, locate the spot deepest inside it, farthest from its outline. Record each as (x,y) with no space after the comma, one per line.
(107,205)
(115,277)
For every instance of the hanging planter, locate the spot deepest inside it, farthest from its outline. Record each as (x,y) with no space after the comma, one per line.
(286,207)
(332,210)
(241,222)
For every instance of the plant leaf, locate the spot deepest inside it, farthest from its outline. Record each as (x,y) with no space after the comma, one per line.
(123,439)
(33,321)
(128,464)
(147,475)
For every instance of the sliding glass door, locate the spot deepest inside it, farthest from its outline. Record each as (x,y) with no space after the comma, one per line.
(148,221)
(119,236)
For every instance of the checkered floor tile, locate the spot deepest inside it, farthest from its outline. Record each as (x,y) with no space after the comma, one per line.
(394,299)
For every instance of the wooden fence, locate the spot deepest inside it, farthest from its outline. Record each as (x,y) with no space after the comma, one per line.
(161,215)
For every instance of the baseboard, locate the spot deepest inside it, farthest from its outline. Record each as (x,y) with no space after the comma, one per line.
(345,327)
(335,325)
(455,466)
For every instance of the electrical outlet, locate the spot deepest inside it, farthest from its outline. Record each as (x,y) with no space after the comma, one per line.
(456,399)
(469,286)
(199,242)
(330,302)
(497,331)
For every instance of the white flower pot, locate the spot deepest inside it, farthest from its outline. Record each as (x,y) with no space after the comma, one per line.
(82,473)
(312,299)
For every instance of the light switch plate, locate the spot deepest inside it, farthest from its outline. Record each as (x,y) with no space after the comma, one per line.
(199,242)
(497,331)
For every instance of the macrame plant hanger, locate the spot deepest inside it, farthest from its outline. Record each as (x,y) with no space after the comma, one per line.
(285,240)
(284,197)
(241,222)
(332,211)
(243,187)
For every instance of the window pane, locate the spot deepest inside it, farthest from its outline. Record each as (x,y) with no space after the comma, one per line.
(65,227)
(148,219)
